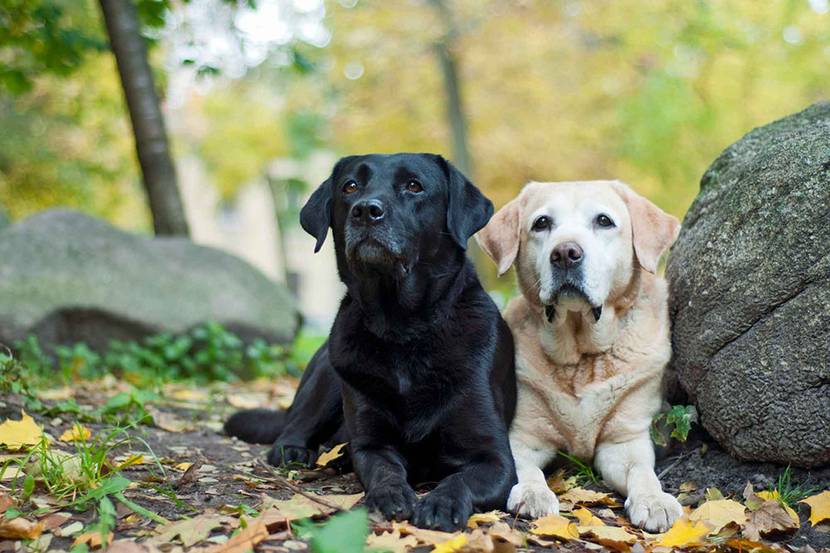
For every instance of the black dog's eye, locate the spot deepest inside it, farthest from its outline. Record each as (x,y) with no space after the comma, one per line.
(604,221)
(349,187)
(414,186)
(542,223)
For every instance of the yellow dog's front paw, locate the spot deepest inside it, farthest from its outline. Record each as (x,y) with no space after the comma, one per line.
(653,512)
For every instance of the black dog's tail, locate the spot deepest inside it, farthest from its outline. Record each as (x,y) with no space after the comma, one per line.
(256,426)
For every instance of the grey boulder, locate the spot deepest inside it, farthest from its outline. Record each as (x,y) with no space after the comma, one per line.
(67,277)
(750,294)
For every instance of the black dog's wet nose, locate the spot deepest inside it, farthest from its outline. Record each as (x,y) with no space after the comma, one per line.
(566,255)
(368,211)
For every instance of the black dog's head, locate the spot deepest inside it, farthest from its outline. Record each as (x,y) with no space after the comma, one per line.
(388,212)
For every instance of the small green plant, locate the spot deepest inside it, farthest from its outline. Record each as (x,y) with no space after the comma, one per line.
(343,533)
(584,472)
(789,493)
(674,423)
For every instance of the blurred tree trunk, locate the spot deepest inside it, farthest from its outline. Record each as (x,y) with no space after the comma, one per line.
(452,89)
(159,173)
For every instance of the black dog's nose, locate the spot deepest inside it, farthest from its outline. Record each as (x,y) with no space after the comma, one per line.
(368,212)
(566,255)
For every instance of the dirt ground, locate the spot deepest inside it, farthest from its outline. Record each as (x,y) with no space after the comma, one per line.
(193,469)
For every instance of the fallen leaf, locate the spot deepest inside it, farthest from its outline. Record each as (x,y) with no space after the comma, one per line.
(130,546)
(767,495)
(169,422)
(20,529)
(586,517)
(769,518)
(18,434)
(391,541)
(6,501)
(132,460)
(719,513)
(244,541)
(183,466)
(94,539)
(428,537)
(684,532)
(55,520)
(55,394)
(334,453)
(477,519)
(78,433)
(190,531)
(10,472)
(559,484)
(304,506)
(69,529)
(613,537)
(555,526)
(819,507)
(502,531)
(452,545)
(587,497)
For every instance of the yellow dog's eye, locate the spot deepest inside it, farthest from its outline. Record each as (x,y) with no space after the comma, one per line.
(542,223)
(414,186)
(349,187)
(604,221)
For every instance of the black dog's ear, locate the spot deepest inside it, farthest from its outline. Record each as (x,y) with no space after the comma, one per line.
(467,209)
(315,217)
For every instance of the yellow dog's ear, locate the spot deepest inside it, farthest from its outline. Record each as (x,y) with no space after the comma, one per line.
(500,238)
(652,229)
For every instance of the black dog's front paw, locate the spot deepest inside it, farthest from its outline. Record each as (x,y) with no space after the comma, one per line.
(393,501)
(282,455)
(443,510)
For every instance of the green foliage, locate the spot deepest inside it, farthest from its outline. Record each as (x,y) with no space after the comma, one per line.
(674,423)
(206,353)
(343,533)
(790,493)
(584,472)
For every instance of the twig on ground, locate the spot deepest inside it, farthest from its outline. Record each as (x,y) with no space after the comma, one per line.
(285,483)
(676,462)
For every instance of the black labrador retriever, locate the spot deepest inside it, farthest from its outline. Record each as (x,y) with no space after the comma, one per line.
(418,372)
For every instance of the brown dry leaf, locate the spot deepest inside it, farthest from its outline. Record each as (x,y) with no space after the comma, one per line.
(304,506)
(6,501)
(769,518)
(190,531)
(428,537)
(478,519)
(55,520)
(588,497)
(559,484)
(334,453)
(586,517)
(77,433)
(683,533)
(55,394)
(20,529)
(169,422)
(130,546)
(15,435)
(612,537)
(94,539)
(555,526)
(503,532)
(481,542)
(245,540)
(766,495)
(819,507)
(719,513)
(391,541)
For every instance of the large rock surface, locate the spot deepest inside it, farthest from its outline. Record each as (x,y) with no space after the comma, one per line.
(67,277)
(750,282)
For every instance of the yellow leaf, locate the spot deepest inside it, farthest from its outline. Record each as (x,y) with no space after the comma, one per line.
(719,513)
(483,518)
(20,529)
(452,545)
(502,531)
(586,517)
(391,541)
(17,434)
(78,433)
(556,526)
(334,453)
(183,466)
(587,497)
(430,537)
(684,532)
(613,537)
(94,539)
(819,507)
(133,460)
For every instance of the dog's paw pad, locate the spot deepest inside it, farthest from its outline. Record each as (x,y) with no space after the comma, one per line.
(654,512)
(533,500)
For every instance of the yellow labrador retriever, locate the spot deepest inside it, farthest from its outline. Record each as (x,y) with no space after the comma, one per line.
(592,337)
